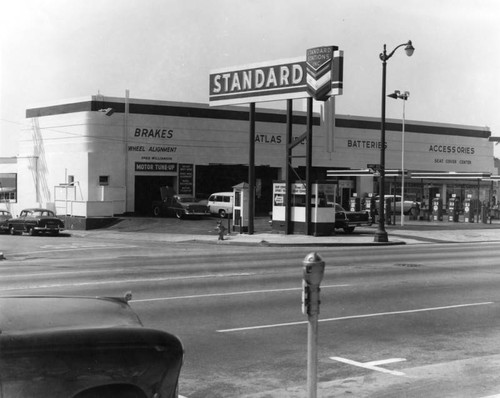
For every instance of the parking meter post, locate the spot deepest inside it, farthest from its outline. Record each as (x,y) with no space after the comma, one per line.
(313,271)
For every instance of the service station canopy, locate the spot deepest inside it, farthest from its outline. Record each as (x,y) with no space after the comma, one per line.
(372,171)
(318,75)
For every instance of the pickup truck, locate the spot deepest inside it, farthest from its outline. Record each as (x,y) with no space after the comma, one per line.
(348,220)
(180,206)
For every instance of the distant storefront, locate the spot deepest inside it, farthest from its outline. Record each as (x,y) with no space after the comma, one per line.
(103,156)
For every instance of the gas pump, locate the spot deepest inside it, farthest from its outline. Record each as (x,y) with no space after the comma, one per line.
(453,208)
(437,208)
(388,210)
(468,210)
(485,212)
(370,206)
(355,202)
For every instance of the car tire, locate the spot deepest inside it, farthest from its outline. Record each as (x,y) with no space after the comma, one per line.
(12,231)
(31,232)
(179,214)
(349,230)
(222,213)
(156,211)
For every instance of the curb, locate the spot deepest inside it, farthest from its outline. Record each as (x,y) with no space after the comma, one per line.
(324,244)
(265,243)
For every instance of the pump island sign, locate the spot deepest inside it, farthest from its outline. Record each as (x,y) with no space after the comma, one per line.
(319,72)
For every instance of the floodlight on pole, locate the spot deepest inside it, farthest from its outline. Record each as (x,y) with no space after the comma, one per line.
(381,233)
(404,96)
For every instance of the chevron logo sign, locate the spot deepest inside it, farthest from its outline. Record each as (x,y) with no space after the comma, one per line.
(324,67)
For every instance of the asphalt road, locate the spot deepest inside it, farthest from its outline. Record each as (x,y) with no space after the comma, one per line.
(412,321)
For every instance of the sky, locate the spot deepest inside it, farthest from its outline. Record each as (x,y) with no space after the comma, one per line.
(53,50)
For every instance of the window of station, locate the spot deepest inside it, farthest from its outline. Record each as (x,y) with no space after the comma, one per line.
(8,187)
(103,180)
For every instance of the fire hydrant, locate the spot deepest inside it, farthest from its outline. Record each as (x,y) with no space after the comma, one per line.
(221,229)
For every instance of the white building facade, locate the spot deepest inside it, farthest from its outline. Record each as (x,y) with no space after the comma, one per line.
(104,156)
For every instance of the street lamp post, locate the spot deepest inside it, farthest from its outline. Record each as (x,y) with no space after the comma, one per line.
(404,96)
(381,233)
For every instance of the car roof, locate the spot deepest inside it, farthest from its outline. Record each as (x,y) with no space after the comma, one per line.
(222,193)
(21,314)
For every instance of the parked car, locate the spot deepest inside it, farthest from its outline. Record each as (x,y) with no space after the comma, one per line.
(409,206)
(34,221)
(4,218)
(83,347)
(349,220)
(180,206)
(221,203)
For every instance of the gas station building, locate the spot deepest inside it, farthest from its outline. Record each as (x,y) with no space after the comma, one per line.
(103,156)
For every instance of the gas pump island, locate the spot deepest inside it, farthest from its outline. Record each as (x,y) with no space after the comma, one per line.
(322,212)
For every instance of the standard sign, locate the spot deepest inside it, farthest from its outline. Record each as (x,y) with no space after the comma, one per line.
(270,81)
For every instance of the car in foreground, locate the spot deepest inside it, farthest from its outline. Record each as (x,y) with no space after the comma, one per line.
(83,347)
(5,216)
(349,220)
(34,221)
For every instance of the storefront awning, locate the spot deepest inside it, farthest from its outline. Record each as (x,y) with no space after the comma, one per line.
(363,173)
(451,175)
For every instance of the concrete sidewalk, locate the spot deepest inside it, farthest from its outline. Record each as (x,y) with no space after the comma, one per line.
(413,232)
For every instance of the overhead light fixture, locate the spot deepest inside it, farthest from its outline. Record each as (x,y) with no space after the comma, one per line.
(107,111)
(409,48)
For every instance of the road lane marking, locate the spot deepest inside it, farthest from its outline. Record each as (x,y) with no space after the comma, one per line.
(120,281)
(58,273)
(384,361)
(73,247)
(230,294)
(373,365)
(276,325)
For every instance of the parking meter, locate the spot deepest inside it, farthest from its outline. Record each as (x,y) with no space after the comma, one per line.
(313,271)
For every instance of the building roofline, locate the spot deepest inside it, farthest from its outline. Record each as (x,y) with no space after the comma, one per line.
(164,108)
(198,110)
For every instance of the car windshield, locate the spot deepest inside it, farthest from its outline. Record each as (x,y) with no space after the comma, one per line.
(338,208)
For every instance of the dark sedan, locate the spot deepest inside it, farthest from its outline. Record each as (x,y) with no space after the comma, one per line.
(34,221)
(83,347)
